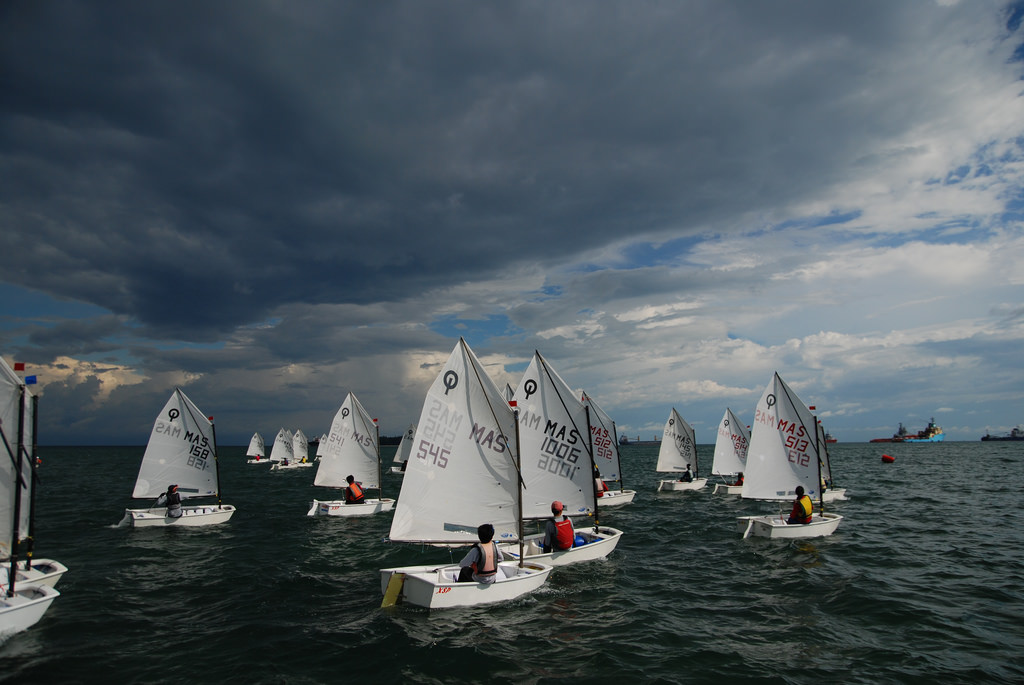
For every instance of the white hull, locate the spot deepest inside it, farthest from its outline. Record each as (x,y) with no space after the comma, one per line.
(190,516)
(726,489)
(436,587)
(599,545)
(258,461)
(340,508)
(776,526)
(615,498)
(695,484)
(25,608)
(43,572)
(834,495)
(278,466)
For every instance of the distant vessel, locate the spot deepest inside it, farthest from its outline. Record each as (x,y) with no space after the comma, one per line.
(829,439)
(624,440)
(932,433)
(1016,434)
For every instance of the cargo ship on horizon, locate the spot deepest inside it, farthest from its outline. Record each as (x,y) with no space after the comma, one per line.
(932,433)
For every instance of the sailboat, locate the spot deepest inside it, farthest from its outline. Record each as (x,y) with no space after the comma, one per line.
(182,451)
(606,455)
(404,449)
(677,452)
(321,445)
(555,428)
(256,450)
(785,451)
(25,594)
(282,454)
(300,449)
(730,452)
(353,449)
(465,472)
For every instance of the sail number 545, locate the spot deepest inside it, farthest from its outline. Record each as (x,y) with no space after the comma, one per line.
(440,456)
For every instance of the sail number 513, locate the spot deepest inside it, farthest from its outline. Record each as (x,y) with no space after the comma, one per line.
(797,450)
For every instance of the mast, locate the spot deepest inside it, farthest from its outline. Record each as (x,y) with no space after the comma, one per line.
(615,443)
(33,466)
(16,524)
(380,475)
(216,462)
(593,466)
(519,489)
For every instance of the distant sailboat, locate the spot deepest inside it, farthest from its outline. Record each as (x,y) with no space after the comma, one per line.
(730,452)
(678,454)
(404,449)
(182,451)
(785,452)
(353,449)
(256,450)
(26,591)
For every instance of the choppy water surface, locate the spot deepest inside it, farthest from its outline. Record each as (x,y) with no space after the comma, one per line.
(922,582)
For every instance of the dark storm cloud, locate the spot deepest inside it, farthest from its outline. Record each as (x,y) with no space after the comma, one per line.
(196,165)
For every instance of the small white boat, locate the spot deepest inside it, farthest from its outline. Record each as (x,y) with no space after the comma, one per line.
(404,450)
(255,451)
(678,454)
(282,452)
(598,544)
(615,498)
(730,452)
(471,445)
(353,449)
(25,607)
(26,583)
(437,587)
(182,450)
(828,494)
(785,452)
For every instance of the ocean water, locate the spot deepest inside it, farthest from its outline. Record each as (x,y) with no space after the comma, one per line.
(923,582)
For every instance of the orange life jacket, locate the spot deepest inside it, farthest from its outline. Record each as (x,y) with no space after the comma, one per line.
(354,494)
(487,565)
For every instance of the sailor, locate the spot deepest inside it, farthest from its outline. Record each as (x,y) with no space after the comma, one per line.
(599,483)
(687,476)
(173,501)
(802,507)
(739,479)
(354,491)
(481,563)
(558,533)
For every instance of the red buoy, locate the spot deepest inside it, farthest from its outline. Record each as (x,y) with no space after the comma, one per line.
(887,459)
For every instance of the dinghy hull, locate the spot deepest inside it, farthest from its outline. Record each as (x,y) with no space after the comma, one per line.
(278,466)
(834,495)
(728,489)
(776,527)
(598,546)
(434,587)
(43,572)
(190,516)
(616,498)
(25,608)
(672,485)
(340,508)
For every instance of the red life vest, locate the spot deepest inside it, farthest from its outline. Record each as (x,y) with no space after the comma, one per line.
(564,534)
(487,565)
(354,494)
(602,487)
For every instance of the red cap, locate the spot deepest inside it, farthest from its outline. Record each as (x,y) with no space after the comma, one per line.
(556,507)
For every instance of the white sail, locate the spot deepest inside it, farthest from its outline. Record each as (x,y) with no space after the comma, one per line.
(730,446)
(605,440)
(256,447)
(15,458)
(509,393)
(300,446)
(405,447)
(321,445)
(678,446)
(555,435)
(282,448)
(784,450)
(463,469)
(181,451)
(352,448)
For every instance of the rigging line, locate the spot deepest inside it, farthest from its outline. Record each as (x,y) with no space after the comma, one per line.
(490,407)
